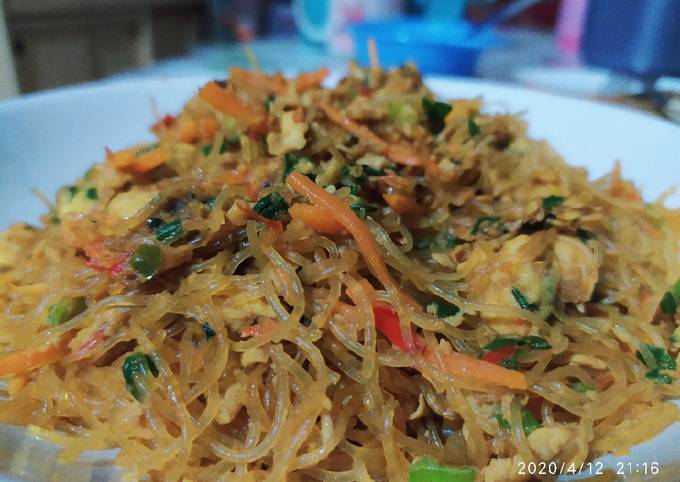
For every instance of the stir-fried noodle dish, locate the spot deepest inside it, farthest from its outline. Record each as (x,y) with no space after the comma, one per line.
(350,284)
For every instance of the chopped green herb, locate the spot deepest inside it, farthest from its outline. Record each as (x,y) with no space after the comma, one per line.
(422,244)
(529,422)
(208,331)
(72,191)
(146,149)
(673,339)
(442,308)
(137,368)
(228,143)
(154,223)
(268,102)
(656,358)
(146,260)
(291,159)
(435,112)
(210,202)
(169,232)
(361,207)
(473,128)
(676,290)
(584,235)
(512,362)
(522,301)
(482,223)
(272,206)
(668,303)
(551,202)
(428,470)
(498,415)
(91,193)
(580,387)
(532,342)
(656,376)
(65,310)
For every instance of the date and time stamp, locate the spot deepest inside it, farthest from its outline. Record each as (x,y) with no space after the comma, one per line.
(588,469)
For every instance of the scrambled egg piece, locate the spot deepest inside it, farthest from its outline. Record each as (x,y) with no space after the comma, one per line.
(578,267)
(546,442)
(291,137)
(126,205)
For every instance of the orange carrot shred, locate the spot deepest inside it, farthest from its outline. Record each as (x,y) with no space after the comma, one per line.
(225,100)
(24,361)
(310,80)
(316,218)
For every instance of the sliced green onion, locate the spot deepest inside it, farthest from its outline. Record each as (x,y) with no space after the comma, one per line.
(443,309)
(272,206)
(169,232)
(91,193)
(146,260)
(137,368)
(522,300)
(529,422)
(668,303)
(429,470)
(551,202)
(65,310)
(580,387)
(473,128)
(482,223)
(435,112)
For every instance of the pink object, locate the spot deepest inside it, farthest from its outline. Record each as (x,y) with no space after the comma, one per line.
(569,29)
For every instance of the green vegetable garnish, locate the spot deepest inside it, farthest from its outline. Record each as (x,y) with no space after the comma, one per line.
(668,303)
(551,202)
(208,331)
(91,193)
(435,112)
(522,301)
(482,223)
(291,159)
(72,191)
(442,308)
(272,206)
(473,128)
(136,371)
(146,260)
(228,143)
(428,470)
(532,342)
(361,207)
(656,358)
(169,232)
(65,310)
(210,202)
(529,422)
(580,387)
(372,171)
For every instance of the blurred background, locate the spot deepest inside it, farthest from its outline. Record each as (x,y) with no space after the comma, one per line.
(621,51)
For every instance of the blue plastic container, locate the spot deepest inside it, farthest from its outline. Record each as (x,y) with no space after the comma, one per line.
(635,36)
(451,48)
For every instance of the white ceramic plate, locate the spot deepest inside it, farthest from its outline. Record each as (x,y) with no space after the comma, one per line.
(47,140)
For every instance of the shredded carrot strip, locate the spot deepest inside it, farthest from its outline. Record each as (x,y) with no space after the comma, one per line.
(310,80)
(402,203)
(150,160)
(301,184)
(226,101)
(474,369)
(121,159)
(259,80)
(24,361)
(270,223)
(362,132)
(232,178)
(316,218)
(400,153)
